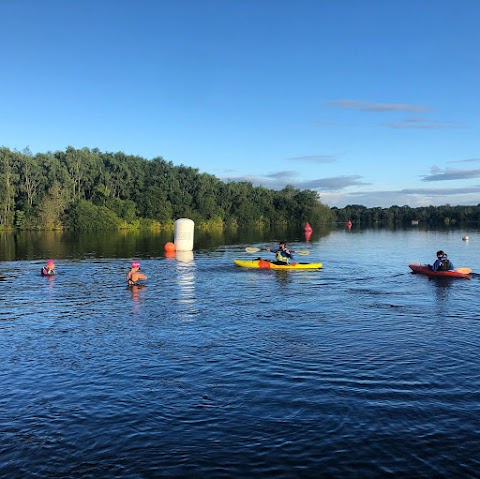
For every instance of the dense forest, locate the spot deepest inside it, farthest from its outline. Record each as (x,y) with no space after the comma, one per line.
(86,189)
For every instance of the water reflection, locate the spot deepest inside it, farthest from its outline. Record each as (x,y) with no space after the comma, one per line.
(186,280)
(442,286)
(50,282)
(283,278)
(32,245)
(135,291)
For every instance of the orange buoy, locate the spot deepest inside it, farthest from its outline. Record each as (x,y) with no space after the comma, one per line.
(169,247)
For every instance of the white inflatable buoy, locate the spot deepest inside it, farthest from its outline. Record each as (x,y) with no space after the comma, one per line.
(183,235)
(184,256)
(465,238)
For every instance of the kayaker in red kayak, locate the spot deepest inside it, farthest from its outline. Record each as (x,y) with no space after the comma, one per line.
(442,263)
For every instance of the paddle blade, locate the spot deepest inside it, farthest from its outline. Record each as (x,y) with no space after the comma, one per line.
(463,270)
(249,249)
(301,253)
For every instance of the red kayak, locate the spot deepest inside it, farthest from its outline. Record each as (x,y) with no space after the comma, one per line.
(454,273)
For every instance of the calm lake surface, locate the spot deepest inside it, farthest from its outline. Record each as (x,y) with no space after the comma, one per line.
(360,370)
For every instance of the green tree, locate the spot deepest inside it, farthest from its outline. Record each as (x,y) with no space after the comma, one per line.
(51,208)
(83,215)
(31,179)
(8,178)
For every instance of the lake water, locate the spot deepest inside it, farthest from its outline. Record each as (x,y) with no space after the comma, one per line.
(360,370)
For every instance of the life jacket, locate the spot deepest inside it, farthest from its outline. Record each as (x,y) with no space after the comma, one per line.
(445,265)
(280,258)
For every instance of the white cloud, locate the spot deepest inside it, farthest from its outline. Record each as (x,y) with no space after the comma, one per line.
(452,174)
(377,107)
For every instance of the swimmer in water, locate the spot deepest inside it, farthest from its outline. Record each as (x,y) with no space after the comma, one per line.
(49,268)
(133,276)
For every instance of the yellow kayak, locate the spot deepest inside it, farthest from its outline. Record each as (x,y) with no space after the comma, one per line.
(264,264)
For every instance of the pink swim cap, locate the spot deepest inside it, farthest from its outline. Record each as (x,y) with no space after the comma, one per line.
(50,262)
(135,264)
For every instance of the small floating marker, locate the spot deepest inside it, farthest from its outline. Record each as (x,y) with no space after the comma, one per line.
(349,224)
(169,247)
(465,238)
(308,231)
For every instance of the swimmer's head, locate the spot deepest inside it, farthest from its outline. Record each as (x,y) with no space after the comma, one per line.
(135,264)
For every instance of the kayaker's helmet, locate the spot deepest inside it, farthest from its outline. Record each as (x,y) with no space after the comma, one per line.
(283,242)
(441,254)
(135,264)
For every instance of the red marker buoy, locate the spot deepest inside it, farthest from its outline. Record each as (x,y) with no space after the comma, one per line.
(308,231)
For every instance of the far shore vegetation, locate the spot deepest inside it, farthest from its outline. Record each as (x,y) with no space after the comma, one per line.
(86,189)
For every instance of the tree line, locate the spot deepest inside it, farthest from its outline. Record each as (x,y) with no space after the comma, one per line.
(87,189)
(434,216)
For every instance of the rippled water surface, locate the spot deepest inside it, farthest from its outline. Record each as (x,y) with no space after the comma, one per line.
(362,369)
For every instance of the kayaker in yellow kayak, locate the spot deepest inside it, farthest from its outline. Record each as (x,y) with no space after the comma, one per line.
(282,253)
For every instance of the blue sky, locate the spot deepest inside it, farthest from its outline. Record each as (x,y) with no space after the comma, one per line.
(370,102)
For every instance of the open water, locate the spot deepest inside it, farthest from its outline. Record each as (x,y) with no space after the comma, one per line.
(360,370)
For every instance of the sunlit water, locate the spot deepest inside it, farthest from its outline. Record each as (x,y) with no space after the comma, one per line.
(362,369)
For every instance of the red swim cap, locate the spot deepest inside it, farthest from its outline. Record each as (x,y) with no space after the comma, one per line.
(135,264)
